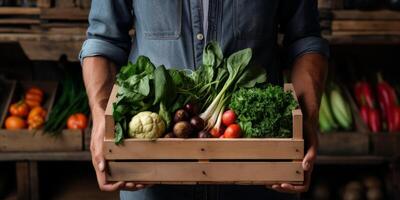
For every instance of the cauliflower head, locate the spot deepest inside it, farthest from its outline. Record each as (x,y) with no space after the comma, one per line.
(146,125)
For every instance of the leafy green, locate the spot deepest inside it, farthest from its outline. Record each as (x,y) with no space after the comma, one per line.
(143,87)
(264,112)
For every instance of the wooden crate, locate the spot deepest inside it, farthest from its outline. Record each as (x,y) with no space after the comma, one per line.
(344,143)
(205,161)
(26,140)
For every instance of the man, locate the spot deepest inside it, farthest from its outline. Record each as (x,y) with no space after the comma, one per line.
(174,33)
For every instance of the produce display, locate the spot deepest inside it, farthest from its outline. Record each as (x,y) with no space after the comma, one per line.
(28,112)
(335,112)
(71,108)
(377,104)
(215,101)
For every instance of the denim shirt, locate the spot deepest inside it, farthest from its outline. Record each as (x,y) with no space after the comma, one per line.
(171,32)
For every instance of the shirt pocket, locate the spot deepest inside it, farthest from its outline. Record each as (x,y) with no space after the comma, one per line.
(254,19)
(160,19)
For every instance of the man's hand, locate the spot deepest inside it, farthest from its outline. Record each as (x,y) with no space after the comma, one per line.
(308,78)
(99,164)
(99,74)
(308,164)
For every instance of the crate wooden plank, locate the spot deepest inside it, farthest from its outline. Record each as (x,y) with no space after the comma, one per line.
(18,21)
(385,144)
(64,14)
(19,11)
(44,3)
(175,148)
(365,15)
(29,141)
(366,33)
(358,25)
(346,143)
(206,172)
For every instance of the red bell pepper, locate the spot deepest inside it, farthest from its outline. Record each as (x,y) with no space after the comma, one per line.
(363,93)
(364,112)
(388,103)
(374,121)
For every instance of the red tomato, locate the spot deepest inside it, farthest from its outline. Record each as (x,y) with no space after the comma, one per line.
(233,131)
(216,132)
(19,109)
(228,118)
(77,121)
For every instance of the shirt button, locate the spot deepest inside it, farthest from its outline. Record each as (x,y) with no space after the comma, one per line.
(200,36)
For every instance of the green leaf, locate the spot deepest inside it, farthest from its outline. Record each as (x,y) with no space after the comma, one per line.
(144,86)
(212,55)
(237,62)
(119,133)
(251,77)
(165,115)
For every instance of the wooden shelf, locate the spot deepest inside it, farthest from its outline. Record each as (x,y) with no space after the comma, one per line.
(363,39)
(351,160)
(19,11)
(365,15)
(46,156)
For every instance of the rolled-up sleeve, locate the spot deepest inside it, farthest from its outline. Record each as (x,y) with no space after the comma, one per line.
(300,25)
(108,33)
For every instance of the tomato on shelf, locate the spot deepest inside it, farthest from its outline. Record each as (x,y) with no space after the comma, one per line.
(15,123)
(34,97)
(77,121)
(36,117)
(19,109)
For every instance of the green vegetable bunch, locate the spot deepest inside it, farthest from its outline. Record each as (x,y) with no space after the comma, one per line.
(264,112)
(143,87)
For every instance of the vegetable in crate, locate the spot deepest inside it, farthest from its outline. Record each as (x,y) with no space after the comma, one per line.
(264,112)
(77,121)
(228,75)
(73,99)
(19,109)
(326,120)
(36,117)
(15,123)
(143,87)
(388,102)
(34,97)
(146,125)
(340,108)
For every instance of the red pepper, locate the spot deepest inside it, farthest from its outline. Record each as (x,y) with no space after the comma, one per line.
(363,93)
(387,101)
(364,111)
(394,119)
(374,120)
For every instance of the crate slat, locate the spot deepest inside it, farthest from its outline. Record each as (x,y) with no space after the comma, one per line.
(19,11)
(267,172)
(30,141)
(205,149)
